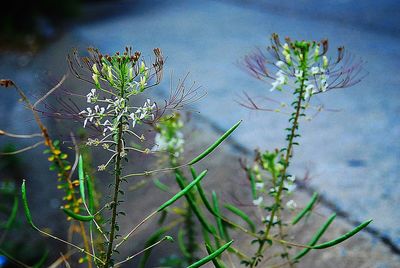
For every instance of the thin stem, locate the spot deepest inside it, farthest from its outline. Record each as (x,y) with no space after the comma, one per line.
(140,252)
(292,135)
(134,229)
(117,181)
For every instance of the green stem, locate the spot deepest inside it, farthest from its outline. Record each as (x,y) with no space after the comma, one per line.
(289,149)
(117,171)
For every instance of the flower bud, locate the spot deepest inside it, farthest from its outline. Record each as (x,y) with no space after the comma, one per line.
(94,68)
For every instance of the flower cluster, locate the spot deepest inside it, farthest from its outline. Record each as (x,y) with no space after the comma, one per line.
(116,80)
(320,74)
(169,138)
(265,178)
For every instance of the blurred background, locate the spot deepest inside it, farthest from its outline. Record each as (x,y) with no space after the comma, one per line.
(350,151)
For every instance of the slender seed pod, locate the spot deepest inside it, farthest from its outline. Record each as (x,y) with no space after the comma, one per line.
(152,239)
(218,216)
(90,194)
(215,144)
(77,216)
(81,175)
(196,210)
(315,238)
(42,260)
(343,237)
(25,203)
(181,243)
(13,214)
(161,185)
(215,261)
(183,191)
(303,212)
(202,193)
(211,256)
(242,215)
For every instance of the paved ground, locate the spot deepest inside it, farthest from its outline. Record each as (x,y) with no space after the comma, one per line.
(352,155)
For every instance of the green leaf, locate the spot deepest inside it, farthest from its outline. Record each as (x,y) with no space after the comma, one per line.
(215,144)
(211,256)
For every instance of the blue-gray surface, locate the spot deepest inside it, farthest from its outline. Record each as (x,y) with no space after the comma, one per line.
(352,155)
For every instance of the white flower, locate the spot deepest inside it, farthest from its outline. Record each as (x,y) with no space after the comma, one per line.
(280,64)
(259,185)
(91,97)
(290,186)
(291,178)
(258,201)
(95,70)
(309,90)
(291,205)
(314,70)
(280,80)
(298,73)
(95,78)
(324,62)
(274,220)
(142,82)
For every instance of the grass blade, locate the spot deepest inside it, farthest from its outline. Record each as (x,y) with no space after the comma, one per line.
(343,237)
(215,144)
(211,256)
